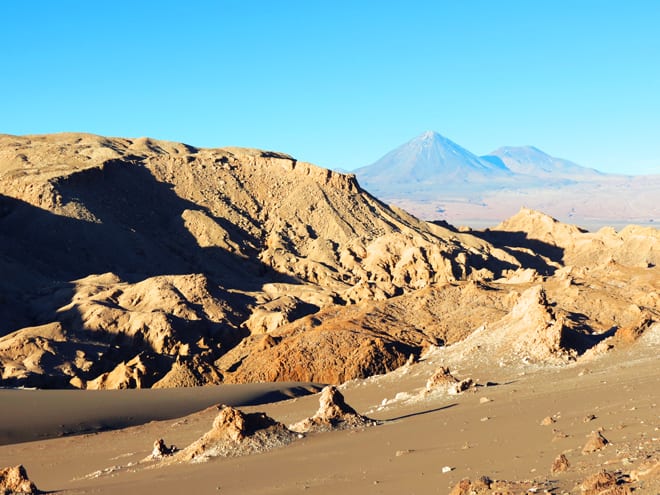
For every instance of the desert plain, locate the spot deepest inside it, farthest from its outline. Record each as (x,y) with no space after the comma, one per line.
(153,290)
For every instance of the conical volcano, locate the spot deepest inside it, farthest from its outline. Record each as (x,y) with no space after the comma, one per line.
(427,161)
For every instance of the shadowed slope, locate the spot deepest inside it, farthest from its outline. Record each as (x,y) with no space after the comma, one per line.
(142,262)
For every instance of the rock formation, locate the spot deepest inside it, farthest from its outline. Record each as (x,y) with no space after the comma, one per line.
(560,464)
(140,263)
(442,377)
(595,441)
(333,414)
(235,433)
(649,469)
(547,421)
(461,386)
(161,449)
(14,481)
(534,331)
(485,486)
(603,483)
(137,247)
(633,246)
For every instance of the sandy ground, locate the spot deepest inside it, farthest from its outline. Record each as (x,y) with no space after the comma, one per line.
(493,430)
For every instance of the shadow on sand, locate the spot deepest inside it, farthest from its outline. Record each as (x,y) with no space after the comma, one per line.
(420,413)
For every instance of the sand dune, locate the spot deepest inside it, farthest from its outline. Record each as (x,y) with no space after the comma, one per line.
(28,415)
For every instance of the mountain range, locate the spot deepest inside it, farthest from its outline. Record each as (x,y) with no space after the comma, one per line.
(430,160)
(137,263)
(437,179)
(531,161)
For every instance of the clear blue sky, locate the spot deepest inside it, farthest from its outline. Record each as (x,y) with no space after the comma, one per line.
(340,83)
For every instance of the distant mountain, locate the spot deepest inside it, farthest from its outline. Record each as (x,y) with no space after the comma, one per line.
(426,162)
(436,179)
(529,160)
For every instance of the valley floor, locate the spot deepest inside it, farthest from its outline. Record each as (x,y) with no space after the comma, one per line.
(492,430)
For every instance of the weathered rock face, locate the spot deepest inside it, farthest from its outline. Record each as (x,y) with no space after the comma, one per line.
(161,449)
(603,483)
(485,486)
(333,413)
(235,433)
(441,378)
(189,371)
(142,263)
(14,481)
(560,464)
(532,332)
(634,246)
(545,332)
(136,247)
(596,441)
(371,337)
(317,356)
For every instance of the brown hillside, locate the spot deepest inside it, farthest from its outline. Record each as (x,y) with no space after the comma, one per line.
(132,263)
(151,256)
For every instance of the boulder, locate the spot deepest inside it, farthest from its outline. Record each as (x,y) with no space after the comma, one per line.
(603,483)
(560,464)
(485,486)
(442,377)
(595,441)
(235,433)
(14,481)
(333,413)
(161,449)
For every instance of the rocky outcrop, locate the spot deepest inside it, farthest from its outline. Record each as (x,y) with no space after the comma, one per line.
(603,483)
(485,486)
(14,481)
(633,246)
(315,355)
(441,378)
(138,247)
(461,386)
(534,331)
(139,372)
(161,449)
(595,442)
(560,464)
(333,414)
(235,433)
